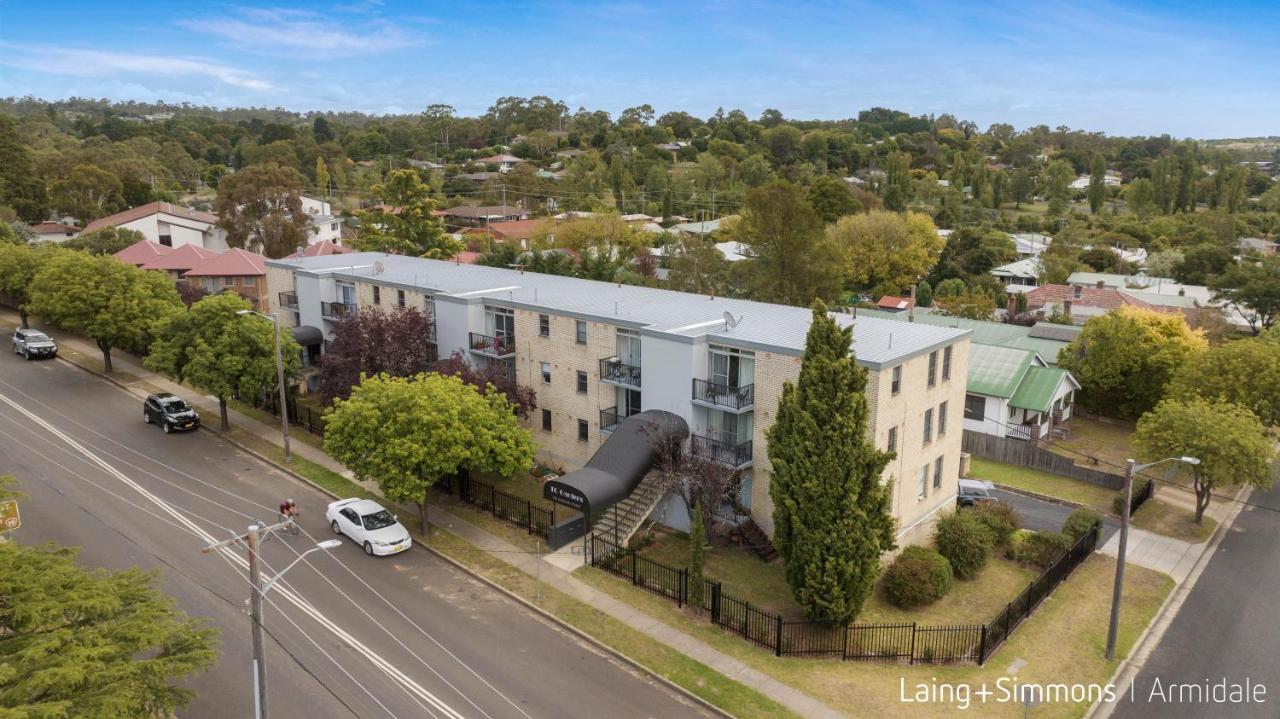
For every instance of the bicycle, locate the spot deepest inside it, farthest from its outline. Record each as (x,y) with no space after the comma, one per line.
(293,527)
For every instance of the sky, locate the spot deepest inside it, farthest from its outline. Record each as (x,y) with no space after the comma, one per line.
(1135,68)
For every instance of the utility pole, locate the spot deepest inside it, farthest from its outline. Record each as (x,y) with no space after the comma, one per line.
(255,616)
(1124,541)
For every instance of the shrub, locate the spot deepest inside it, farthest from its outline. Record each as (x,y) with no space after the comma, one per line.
(965,541)
(1080,522)
(1000,517)
(1041,548)
(1117,504)
(917,577)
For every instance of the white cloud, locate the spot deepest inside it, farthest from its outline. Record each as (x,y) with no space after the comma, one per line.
(99,63)
(271,31)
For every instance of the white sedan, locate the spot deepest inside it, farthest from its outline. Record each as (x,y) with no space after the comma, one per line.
(369,525)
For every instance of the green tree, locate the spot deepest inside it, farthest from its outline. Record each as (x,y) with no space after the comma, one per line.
(1140,196)
(105,241)
(20,186)
(1057,186)
(406,225)
(1231,443)
(1244,372)
(1125,359)
(92,643)
(87,193)
(116,305)
(18,267)
(697,552)
(831,516)
(1253,289)
(831,199)
(260,207)
(213,347)
(924,294)
(697,267)
(886,251)
(970,305)
(792,262)
(1021,186)
(322,176)
(1097,182)
(406,433)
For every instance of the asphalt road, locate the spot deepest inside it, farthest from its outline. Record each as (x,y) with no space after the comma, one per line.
(1042,516)
(350,635)
(1226,630)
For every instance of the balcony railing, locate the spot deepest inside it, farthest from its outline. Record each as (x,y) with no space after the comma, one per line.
(500,346)
(722,396)
(611,418)
(335,310)
(431,330)
(615,371)
(289,300)
(728,453)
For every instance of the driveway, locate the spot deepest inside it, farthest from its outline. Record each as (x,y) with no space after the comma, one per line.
(1043,516)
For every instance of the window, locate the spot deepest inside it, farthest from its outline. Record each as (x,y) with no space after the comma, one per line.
(400,298)
(228,281)
(546,373)
(893,439)
(1078,292)
(166,240)
(333,227)
(975,407)
(250,281)
(933,368)
(546,420)
(946,364)
(377,295)
(544,325)
(583,429)
(942,419)
(937,472)
(928,426)
(582,382)
(580,330)
(896,386)
(924,481)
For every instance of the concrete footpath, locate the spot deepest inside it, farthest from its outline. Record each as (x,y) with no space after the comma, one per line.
(550,570)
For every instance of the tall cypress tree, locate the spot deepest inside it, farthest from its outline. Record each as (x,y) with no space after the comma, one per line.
(831,511)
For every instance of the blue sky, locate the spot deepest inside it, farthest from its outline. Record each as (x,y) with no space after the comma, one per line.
(1190,70)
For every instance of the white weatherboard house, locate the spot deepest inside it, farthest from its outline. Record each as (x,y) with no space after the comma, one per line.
(1015,393)
(168,224)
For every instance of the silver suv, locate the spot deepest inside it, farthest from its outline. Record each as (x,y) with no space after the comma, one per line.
(33,343)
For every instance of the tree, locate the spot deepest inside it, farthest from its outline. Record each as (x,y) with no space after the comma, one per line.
(92,643)
(1164,263)
(1201,262)
(831,199)
(605,236)
(697,542)
(322,176)
(522,399)
(970,305)
(1020,187)
(886,251)
(1244,372)
(831,514)
(924,294)
(1253,290)
(406,433)
(372,341)
(792,262)
(406,225)
(227,354)
(1140,196)
(1097,182)
(697,267)
(1125,359)
(20,186)
(18,267)
(105,241)
(260,207)
(1230,441)
(87,193)
(1057,186)
(116,305)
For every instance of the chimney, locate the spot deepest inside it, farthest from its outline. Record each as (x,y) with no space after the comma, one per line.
(1182,291)
(1066,308)
(1011,306)
(1102,284)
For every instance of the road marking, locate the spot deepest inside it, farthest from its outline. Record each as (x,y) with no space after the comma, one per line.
(297,600)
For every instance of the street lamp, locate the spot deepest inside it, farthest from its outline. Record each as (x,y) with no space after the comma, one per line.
(1131,469)
(326,544)
(284,405)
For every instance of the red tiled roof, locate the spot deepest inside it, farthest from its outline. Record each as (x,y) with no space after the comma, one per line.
(515,229)
(467,258)
(320,249)
(889,302)
(1090,296)
(181,259)
(232,263)
(142,252)
(54,228)
(146,210)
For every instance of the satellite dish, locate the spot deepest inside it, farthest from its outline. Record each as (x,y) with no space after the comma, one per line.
(729,321)
(377,267)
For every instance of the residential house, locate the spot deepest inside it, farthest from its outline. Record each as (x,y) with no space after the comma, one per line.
(517,232)
(890,303)
(320,249)
(734,251)
(325,226)
(473,216)
(1256,246)
(168,224)
(1015,393)
(235,270)
(1044,338)
(54,232)
(696,229)
(1030,244)
(477,178)
(142,252)
(598,352)
(506,163)
(181,259)
(1080,301)
(1019,275)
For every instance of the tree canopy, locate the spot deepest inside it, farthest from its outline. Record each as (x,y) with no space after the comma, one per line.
(792,261)
(400,343)
(887,252)
(404,224)
(1244,372)
(260,207)
(1254,289)
(18,266)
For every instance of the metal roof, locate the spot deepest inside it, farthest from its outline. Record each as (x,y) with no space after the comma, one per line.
(998,334)
(776,328)
(1038,387)
(997,371)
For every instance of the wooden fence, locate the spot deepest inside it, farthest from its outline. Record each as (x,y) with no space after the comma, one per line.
(1027,454)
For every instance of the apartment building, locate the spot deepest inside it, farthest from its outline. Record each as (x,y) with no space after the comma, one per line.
(597,352)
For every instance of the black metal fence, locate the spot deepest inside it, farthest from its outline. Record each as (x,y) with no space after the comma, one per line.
(507,507)
(903,641)
(1144,491)
(300,415)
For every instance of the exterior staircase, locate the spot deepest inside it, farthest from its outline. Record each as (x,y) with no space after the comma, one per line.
(749,534)
(627,516)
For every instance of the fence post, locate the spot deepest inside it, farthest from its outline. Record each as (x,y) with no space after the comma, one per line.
(913,643)
(635,576)
(681,576)
(715,602)
(778,634)
(982,647)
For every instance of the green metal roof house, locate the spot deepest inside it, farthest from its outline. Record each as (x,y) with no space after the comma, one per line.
(1013,392)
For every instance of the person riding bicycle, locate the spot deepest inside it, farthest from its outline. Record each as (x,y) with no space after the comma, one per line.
(289,510)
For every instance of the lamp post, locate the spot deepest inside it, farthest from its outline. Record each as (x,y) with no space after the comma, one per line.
(1131,469)
(257,590)
(274,319)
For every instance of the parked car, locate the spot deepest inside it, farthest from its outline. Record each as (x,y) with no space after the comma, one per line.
(170,412)
(368,524)
(974,491)
(33,343)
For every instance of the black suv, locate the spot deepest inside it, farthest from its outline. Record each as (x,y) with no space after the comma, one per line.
(33,343)
(169,411)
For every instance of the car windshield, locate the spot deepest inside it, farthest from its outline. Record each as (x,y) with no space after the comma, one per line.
(175,405)
(378,520)
(37,337)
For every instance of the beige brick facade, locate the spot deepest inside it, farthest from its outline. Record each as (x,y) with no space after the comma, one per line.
(280,279)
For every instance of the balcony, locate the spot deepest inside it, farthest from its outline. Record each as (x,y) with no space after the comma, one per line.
(611,418)
(613,371)
(289,300)
(337,310)
(734,400)
(431,330)
(725,451)
(499,347)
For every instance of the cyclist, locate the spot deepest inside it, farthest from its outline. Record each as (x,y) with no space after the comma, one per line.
(289,510)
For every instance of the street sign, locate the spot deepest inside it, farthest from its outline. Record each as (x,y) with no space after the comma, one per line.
(9,518)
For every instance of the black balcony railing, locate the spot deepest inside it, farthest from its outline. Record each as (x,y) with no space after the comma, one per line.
(615,370)
(609,419)
(334,310)
(289,300)
(500,346)
(723,451)
(722,395)
(431,330)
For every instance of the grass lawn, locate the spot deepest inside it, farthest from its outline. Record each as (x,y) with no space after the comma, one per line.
(1032,480)
(740,572)
(973,601)
(1110,443)
(1173,521)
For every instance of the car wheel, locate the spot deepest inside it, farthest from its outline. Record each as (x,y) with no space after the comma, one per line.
(166,427)
(368,549)
(26,355)
(336,529)
(146,417)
